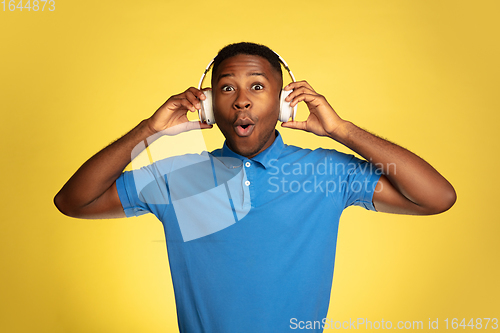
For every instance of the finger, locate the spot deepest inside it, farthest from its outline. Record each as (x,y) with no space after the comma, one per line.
(203,96)
(186,105)
(192,98)
(196,92)
(298,84)
(298,91)
(313,100)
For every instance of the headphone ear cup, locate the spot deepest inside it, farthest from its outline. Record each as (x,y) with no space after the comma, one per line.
(206,113)
(286,111)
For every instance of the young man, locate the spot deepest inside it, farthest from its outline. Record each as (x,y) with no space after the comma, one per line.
(273,261)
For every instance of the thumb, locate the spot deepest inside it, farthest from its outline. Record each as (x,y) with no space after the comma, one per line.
(300,125)
(185,127)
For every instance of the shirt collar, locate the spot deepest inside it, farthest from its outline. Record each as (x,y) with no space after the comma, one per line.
(271,153)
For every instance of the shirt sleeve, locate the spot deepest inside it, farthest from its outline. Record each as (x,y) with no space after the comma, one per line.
(356,179)
(152,188)
(144,190)
(362,179)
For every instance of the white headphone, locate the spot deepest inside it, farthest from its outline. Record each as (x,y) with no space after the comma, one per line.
(206,113)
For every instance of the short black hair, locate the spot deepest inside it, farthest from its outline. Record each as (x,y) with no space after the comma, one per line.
(232,50)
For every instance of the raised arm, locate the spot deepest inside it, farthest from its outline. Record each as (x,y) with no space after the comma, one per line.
(91,192)
(409,185)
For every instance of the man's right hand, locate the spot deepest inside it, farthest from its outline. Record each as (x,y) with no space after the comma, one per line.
(91,192)
(171,117)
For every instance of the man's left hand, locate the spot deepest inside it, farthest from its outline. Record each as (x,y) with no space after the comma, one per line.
(322,119)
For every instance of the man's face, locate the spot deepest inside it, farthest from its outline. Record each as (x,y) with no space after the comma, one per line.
(246,103)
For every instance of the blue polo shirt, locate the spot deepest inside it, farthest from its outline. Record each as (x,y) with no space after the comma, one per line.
(251,242)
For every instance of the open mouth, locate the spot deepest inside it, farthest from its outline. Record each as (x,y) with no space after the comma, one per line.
(244,130)
(244,126)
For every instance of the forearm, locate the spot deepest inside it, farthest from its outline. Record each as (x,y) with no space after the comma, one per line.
(99,173)
(409,174)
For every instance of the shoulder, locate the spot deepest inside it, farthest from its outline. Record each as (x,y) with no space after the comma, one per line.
(295,152)
(166,165)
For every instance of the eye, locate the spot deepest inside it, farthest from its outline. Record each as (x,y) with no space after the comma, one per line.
(257,86)
(227,88)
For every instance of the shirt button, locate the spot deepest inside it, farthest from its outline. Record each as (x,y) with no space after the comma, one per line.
(247,183)
(247,164)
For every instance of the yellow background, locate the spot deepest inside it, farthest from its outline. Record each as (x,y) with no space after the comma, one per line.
(424,74)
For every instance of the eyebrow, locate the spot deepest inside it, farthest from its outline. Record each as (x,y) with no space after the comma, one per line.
(250,74)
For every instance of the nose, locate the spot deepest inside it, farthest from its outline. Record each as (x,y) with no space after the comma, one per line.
(242,101)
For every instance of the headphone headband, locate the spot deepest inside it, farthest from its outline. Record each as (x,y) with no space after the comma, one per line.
(283,62)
